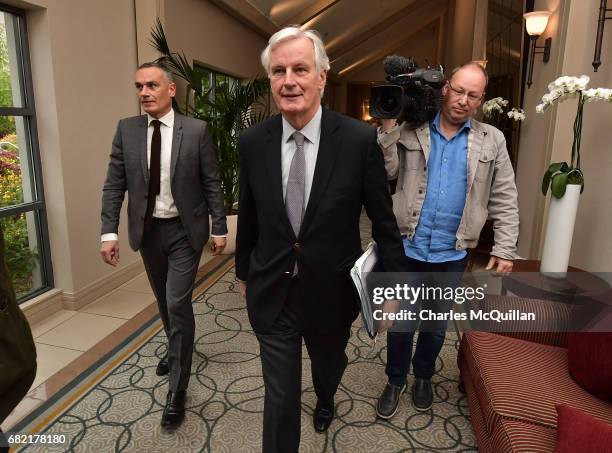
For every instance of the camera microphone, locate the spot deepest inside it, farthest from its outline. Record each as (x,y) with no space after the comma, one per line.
(395,65)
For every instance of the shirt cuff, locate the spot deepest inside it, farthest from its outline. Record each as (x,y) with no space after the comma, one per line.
(109,237)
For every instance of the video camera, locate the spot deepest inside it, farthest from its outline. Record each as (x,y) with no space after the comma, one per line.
(413,95)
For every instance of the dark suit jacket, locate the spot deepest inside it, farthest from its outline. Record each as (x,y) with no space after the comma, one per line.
(349,174)
(195,181)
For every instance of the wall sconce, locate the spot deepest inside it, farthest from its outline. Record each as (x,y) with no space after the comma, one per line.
(535,23)
(603,9)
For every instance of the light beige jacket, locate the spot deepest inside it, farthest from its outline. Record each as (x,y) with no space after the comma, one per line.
(490,192)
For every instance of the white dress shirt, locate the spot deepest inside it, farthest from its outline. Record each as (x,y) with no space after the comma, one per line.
(312,135)
(164,203)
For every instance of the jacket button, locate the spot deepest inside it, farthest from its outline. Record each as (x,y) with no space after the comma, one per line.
(420,191)
(296,246)
(425,168)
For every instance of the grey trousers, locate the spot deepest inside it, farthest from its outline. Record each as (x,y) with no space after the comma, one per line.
(171,265)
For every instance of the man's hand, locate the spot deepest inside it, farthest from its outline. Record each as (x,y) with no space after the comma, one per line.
(217,245)
(504,267)
(389,306)
(388,124)
(110,252)
(242,287)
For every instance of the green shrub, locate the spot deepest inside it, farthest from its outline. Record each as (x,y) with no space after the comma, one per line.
(20,258)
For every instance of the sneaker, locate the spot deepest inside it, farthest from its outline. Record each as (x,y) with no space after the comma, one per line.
(422,394)
(389,400)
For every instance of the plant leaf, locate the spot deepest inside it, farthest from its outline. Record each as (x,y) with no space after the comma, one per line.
(559,184)
(552,169)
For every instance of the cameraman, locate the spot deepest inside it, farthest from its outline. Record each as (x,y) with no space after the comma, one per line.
(452,174)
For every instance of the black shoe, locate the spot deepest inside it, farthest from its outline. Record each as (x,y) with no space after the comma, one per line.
(174,412)
(322,416)
(389,400)
(422,394)
(162,367)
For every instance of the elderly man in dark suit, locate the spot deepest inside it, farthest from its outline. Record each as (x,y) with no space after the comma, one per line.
(167,164)
(305,175)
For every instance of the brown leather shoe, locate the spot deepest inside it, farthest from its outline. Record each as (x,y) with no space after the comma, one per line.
(174,412)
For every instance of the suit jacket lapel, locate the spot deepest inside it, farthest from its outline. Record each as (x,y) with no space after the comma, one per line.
(142,148)
(176,143)
(272,150)
(326,158)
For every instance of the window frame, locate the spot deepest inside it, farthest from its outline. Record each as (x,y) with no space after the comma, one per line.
(28,114)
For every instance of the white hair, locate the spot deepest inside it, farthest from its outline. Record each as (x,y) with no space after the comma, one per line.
(293,32)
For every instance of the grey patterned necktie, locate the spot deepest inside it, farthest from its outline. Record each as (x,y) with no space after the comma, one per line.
(294,198)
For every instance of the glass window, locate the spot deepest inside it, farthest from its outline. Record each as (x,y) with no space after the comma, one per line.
(213,80)
(22,206)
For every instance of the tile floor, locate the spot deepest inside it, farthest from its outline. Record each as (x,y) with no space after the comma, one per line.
(68,337)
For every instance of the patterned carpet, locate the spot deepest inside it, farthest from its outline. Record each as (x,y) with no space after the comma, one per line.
(121,412)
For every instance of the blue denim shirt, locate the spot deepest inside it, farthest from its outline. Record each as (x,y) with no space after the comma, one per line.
(435,235)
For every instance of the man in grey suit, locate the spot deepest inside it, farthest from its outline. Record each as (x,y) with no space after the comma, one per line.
(166,162)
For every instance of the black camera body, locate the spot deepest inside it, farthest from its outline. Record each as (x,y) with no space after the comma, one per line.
(413,95)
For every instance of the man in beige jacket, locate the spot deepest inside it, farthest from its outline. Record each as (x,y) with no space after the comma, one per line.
(452,174)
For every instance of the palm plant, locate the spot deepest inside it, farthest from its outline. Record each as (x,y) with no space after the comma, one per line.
(234,107)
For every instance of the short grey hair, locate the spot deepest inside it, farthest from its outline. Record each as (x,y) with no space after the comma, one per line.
(294,32)
(160,66)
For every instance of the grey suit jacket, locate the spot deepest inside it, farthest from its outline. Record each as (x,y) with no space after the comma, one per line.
(195,181)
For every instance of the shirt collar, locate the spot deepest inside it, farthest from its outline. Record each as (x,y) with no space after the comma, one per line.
(436,124)
(310,131)
(166,120)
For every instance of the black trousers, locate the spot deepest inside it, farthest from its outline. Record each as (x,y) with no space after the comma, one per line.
(281,361)
(171,265)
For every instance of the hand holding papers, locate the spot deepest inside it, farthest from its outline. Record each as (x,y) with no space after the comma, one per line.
(362,275)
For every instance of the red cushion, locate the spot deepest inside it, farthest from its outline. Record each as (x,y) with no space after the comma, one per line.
(579,432)
(590,362)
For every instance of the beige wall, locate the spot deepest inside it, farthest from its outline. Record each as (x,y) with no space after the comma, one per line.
(548,138)
(460,33)
(208,34)
(84,54)
(82,73)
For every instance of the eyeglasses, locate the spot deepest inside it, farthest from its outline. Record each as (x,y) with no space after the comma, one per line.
(472,97)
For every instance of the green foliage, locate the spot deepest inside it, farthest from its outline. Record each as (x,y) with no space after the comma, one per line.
(234,107)
(560,174)
(20,259)
(7,123)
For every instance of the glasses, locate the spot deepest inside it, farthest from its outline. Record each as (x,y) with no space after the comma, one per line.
(472,97)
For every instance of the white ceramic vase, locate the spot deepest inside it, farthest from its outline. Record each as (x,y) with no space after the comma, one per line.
(559,232)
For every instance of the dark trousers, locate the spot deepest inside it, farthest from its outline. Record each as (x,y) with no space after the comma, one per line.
(429,342)
(281,362)
(171,265)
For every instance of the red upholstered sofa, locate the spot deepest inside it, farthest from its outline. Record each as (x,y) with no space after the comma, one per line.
(512,383)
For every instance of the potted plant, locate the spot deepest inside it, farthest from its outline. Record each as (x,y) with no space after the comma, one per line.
(493,109)
(234,107)
(566,181)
